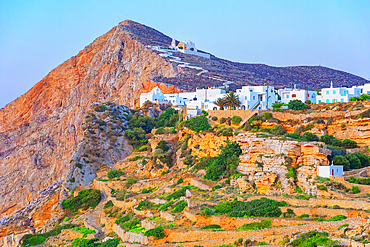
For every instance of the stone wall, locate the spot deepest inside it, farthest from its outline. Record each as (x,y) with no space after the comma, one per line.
(332,114)
(355,204)
(362,187)
(230,113)
(130,237)
(317,211)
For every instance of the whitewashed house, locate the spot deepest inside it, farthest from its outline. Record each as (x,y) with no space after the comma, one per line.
(155,96)
(257,97)
(337,94)
(288,94)
(330,171)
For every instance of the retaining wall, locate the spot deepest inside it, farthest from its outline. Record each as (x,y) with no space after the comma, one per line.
(231,113)
(130,237)
(332,114)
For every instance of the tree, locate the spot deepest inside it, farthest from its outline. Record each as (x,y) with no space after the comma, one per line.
(220,103)
(296,105)
(197,124)
(354,161)
(277,129)
(236,120)
(347,143)
(309,137)
(231,100)
(340,160)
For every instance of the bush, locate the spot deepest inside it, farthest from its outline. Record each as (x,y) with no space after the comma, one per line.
(145,204)
(206,212)
(256,226)
(115,174)
(309,137)
(129,182)
(84,200)
(303,216)
(225,163)
(222,120)
(236,120)
(157,232)
(337,218)
(108,204)
(277,129)
(180,181)
(340,160)
(214,118)
(124,218)
(355,189)
(179,207)
(256,208)
(247,127)
(159,131)
(267,115)
(131,224)
(197,124)
(349,144)
(331,140)
(314,238)
(292,173)
(177,194)
(211,227)
(296,105)
(322,187)
(36,239)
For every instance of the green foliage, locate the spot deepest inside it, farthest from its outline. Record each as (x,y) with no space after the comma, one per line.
(168,118)
(179,207)
(83,230)
(197,124)
(338,217)
(108,204)
(364,181)
(362,97)
(277,106)
(225,163)
(36,239)
(82,242)
(214,118)
(124,218)
(211,227)
(314,238)
(180,181)
(130,224)
(84,200)
(78,165)
(165,206)
(354,161)
(163,153)
(340,160)
(177,194)
(277,129)
(222,120)
(256,208)
(267,115)
(236,120)
(256,226)
(319,179)
(322,187)
(159,131)
(303,216)
(163,145)
(216,187)
(292,173)
(100,108)
(206,212)
(296,105)
(309,137)
(157,232)
(355,190)
(129,182)
(115,174)
(145,204)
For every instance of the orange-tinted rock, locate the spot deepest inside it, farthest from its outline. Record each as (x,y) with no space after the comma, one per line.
(43,214)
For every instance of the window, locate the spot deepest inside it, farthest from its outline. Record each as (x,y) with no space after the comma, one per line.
(327,101)
(334,100)
(327,92)
(312,96)
(293,95)
(342,100)
(287,96)
(245,97)
(333,91)
(254,97)
(319,101)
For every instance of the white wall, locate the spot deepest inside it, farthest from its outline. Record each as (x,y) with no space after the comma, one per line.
(328,171)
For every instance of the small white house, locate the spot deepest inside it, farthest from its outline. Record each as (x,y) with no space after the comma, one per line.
(155,96)
(337,94)
(330,171)
(256,97)
(288,94)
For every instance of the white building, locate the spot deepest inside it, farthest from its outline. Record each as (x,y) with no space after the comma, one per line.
(187,47)
(288,94)
(155,96)
(338,94)
(330,171)
(175,99)
(257,97)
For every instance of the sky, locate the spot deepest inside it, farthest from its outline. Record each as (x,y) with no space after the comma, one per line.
(37,36)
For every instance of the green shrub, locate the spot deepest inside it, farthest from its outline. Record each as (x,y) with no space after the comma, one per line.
(108,204)
(206,212)
(338,217)
(177,194)
(115,173)
(314,238)
(222,120)
(157,232)
(303,216)
(145,204)
(216,187)
(256,208)
(319,179)
(180,181)
(84,230)
(322,187)
(236,120)
(256,226)
(101,108)
(131,224)
(179,207)
(277,129)
(124,218)
(214,118)
(130,182)
(159,131)
(296,105)
(267,115)
(355,189)
(349,144)
(197,124)
(84,200)
(78,165)
(309,137)
(36,239)
(82,242)
(211,227)
(292,173)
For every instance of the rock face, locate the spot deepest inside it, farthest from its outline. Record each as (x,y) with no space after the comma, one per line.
(40,130)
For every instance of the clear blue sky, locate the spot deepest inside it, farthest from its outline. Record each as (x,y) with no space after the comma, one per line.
(37,36)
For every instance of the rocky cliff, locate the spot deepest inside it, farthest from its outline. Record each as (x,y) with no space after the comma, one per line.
(40,130)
